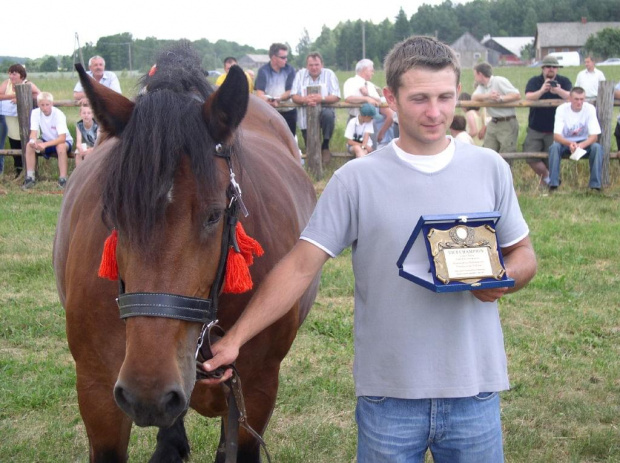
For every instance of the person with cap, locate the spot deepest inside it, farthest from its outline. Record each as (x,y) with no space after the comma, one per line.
(358,131)
(548,85)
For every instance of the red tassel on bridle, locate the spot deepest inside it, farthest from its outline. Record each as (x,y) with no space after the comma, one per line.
(238,279)
(109,267)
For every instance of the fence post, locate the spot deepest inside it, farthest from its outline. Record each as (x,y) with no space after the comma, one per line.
(23,95)
(605,113)
(313,136)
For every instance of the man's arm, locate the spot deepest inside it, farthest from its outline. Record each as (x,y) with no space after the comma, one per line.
(520,263)
(276,295)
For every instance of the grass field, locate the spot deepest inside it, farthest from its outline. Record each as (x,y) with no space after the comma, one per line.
(562,336)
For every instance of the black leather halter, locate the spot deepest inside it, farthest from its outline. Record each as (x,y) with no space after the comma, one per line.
(184,307)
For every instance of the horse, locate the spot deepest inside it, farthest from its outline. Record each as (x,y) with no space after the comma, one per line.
(169,168)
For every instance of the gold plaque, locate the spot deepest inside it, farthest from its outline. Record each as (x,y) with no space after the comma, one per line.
(466,254)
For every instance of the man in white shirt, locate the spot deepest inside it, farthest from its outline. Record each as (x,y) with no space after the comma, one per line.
(576,128)
(96,66)
(359,89)
(589,78)
(314,74)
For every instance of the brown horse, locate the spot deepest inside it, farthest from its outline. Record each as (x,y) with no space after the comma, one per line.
(161,177)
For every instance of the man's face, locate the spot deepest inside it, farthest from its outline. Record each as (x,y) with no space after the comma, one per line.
(314,66)
(278,61)
(228,65)
(425,104)
(576,101)
(478,78)
(589,64)
(550,72)
(97,67)
(367,72)
(45,106)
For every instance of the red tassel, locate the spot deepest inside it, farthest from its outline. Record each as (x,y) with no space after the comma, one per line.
(238,279)
(109,267)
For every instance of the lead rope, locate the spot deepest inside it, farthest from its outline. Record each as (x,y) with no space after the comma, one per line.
(236,403)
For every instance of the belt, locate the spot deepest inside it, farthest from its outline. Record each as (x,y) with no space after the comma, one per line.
(502,119)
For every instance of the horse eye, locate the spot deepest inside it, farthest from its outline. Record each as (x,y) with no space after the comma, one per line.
(213,219)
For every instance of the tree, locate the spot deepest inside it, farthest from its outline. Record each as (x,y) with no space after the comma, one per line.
(49,64)
(604,44)
(115,50)
(402,28)
(303,48)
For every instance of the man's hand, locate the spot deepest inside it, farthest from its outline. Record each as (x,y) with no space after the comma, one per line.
(224,353)
(489,295)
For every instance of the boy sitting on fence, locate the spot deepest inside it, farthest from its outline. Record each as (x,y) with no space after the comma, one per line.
(55,139)
(358,131)
(86,133)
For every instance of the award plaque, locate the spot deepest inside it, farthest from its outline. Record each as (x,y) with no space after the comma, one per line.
(458,252)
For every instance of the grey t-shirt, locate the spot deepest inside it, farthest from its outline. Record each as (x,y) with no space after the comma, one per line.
(410,342)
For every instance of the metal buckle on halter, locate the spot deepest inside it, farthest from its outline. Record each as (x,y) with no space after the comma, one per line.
(236,196)
(201,338)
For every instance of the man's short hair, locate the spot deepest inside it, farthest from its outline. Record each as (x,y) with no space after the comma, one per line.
(18,68)
(579,90)
(363,64)
(230,59)
(275,48)
(45,96)
(314,55)
(419,52)
(90,61)
(458,123)
(484,68)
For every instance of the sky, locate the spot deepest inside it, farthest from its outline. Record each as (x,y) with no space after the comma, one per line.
(241,21)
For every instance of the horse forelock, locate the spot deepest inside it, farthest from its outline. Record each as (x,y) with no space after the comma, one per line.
(164,127)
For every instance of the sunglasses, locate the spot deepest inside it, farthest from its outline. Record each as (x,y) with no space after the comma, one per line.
(282,57)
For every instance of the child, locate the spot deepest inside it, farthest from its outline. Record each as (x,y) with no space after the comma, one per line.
(55,139)
(86,133)
(358,131)
(457,130)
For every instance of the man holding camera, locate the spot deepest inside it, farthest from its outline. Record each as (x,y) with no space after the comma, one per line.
(546,86)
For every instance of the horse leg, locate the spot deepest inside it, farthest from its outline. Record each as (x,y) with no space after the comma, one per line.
(172,444)
(107,427)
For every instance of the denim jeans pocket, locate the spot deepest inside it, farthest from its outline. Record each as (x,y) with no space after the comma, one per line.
(485,396)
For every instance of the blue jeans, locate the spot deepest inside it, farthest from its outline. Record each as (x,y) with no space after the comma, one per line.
(460,430)
(558,151)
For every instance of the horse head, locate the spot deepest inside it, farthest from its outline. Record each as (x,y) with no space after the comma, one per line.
(166,183)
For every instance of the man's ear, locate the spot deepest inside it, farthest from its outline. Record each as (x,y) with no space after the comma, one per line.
(390,98)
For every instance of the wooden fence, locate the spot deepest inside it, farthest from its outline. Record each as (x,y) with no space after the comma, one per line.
(604,104)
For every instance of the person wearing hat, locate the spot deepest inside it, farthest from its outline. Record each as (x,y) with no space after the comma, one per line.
(548,85)
(358,131)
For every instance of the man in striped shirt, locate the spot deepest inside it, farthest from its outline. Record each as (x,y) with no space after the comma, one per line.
(314,74)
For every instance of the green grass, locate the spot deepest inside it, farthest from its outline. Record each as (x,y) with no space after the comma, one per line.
(561,335)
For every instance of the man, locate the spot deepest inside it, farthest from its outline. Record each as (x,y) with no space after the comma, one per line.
(55,139)
(274,83)
(576,128)
(96,66)
(424,361)
(549,85)
(359,90)
(589,78)
(316,75)
(228,62)
(503,130)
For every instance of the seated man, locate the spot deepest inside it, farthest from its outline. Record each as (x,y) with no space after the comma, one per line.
(96,66)
(576,127)
(314,74)
(55,139)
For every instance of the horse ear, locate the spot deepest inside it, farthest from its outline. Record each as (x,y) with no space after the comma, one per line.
(226,108)
(112,110)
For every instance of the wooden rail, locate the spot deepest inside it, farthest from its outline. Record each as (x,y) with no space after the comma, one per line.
(604,103)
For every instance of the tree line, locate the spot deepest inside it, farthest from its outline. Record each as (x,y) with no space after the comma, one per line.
(347,43)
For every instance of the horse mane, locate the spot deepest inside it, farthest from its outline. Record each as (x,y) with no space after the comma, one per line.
(166,124)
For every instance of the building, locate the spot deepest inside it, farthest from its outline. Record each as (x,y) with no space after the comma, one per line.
(506,50)
(253,61)
(562,37)
(469,50)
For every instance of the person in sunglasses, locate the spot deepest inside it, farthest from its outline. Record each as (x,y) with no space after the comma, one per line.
(274,83)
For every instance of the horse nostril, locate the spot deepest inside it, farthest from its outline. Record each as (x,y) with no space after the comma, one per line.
(174,402)
(122,400)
